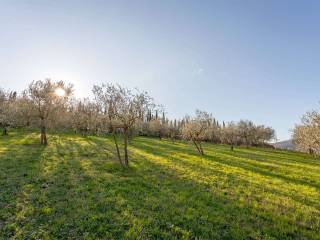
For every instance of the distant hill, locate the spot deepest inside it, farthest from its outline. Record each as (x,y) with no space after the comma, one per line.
(288,144)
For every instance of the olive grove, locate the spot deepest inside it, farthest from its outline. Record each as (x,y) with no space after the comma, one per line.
(119,111)
(306,135)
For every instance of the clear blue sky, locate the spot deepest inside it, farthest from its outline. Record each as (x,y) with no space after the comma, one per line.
(257,60)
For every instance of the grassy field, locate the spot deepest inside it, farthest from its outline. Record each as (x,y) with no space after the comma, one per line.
(75,189)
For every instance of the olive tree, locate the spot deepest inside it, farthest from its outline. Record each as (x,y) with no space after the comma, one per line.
(124,108)
(230,134)
(85,116)
(307,135)
(158,128)
(251,134)
(246,132)
(8,110)
(47,98)
(262,134)
(196,129)
(3,111)
(24,111)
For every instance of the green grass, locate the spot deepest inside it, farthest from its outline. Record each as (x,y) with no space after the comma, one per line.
(75,189)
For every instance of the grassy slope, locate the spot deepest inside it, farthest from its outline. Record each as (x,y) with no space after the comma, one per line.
(73,188)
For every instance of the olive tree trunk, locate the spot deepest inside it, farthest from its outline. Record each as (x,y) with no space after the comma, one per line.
(199,147)
(117,146)
(5,131)
(126,158)
(43,135)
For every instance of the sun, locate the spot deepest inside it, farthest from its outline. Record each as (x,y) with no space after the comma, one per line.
(60,92)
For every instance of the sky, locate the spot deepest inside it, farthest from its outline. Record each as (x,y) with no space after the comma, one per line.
(238,59)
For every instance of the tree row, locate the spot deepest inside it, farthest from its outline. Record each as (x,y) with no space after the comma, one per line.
(117,110)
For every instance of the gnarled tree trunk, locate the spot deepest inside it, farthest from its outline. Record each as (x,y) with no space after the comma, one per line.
(201,149)
(43,135)
(117,147)
(5,131)
(126,158)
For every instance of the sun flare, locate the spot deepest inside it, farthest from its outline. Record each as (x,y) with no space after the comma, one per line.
(60,92)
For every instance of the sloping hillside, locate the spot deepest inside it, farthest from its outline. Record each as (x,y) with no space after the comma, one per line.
(74,188)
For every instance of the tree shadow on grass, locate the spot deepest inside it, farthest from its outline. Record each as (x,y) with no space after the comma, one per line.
(208,165)
(269,171)
(233,206)
(232,159)
(19,171)
(76,198)
(82,197)
(62,200)
(281,158)
(137,202)
(254,153)
(241,182)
